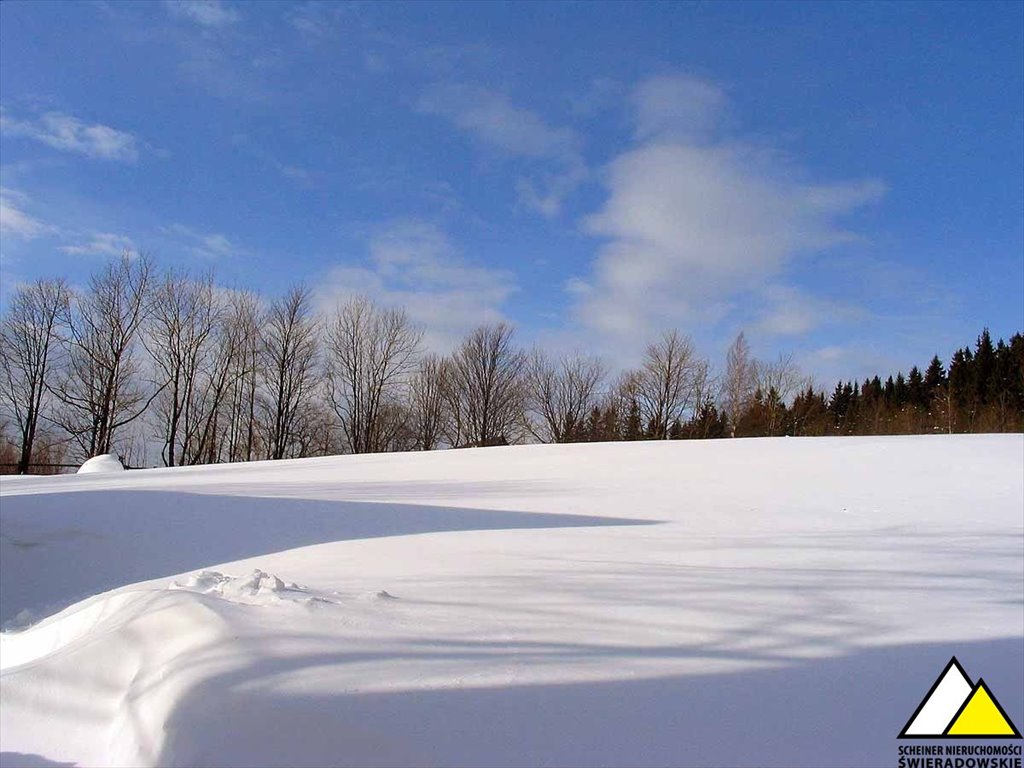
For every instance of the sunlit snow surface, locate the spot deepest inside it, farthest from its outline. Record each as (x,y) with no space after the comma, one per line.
(761,602)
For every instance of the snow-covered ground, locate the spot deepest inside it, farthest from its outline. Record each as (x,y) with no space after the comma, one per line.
(761,602)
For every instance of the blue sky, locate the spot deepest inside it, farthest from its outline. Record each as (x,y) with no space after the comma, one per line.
(842,181)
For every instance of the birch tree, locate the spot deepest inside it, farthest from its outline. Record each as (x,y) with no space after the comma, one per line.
(740,382)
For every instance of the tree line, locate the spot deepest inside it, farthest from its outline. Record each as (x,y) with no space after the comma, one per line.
(143,358)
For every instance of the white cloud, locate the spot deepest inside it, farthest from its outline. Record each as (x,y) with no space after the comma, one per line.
(211,14)
(692,225)
(414,265)
(495,122)
(14,221)
(101,244)
(69,134)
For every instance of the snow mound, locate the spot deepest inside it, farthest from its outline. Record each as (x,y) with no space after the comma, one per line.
(257,588)
(105,462)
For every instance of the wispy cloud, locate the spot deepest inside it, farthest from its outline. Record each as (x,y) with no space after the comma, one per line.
(694,222)
(546,191)
(788,311)
(677,106)
(496,123)
(413,264)
(316,22)
(70,134)
(14,221)
(600,95)
(101,244)
(211,14)
(205,245)
(296,173)
(493,119)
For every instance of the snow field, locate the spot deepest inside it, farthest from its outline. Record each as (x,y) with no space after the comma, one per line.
(732,602)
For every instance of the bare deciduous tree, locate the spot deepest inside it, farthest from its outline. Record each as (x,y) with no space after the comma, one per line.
(427,412)
(778,382)
(485,388)
(29,344)
(668,382)
(224,364)
(740,381)
(181,339)
(101,389)
(371,353)
(242,346)
(560,395)
(288,368)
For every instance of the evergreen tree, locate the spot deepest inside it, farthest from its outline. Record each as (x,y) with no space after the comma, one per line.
(592,430)
(900,392)
(984,369)
(675,432)
(915,388)
(634,428)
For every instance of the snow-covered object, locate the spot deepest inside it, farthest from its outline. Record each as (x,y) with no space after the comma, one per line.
(719,602)
(105,462)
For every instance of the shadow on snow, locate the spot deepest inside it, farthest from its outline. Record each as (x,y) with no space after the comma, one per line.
(58,548)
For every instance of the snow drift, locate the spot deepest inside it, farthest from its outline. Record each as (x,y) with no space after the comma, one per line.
(734,602)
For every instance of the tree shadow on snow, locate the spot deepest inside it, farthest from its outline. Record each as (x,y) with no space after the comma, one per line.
(843,710)
(58,548)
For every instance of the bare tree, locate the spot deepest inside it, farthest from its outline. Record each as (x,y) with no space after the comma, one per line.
(182,341)
(705,386)
(243,345)
(668,382)
(224,363)
(371,353)
(778,382)
(427,410)
(740,381)
(29,343)
(485,388)
(101,389)
(288,368)
(560,395)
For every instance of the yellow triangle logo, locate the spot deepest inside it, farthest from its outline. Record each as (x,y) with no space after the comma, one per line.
(981,715)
